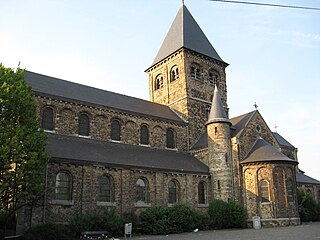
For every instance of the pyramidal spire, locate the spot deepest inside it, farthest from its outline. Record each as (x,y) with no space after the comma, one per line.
(185,32)
(217,112)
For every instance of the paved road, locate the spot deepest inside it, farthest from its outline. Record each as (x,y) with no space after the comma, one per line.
(301,232)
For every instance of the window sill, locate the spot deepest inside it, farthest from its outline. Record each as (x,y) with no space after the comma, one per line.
(62,202)
(142,205)
(203,205)
(83,136)
(144,145)
(49,131)
(106,204)
(266,203)
(172,204)
(171,149)
(115,141)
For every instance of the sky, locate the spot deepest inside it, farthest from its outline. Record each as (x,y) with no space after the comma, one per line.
(274,53)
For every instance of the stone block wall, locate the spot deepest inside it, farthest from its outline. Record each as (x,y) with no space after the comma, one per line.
(85,185)
(66,122)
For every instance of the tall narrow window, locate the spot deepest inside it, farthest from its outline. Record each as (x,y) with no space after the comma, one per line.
(84,125)
(158,82)
(218,185)
(47,119)
(264,191)
(115,130)
(105,193)
(201,193)
(174,74)
(290,190)
(213,77)
(173,192)
(63,186)
(141,190)
(170,138)
(144,135)
(195,72)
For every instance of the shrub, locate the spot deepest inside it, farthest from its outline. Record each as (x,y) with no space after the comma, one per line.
(238,215)
(308,209)
(108,221)
(49,232)
(155,220)
(220,214)
(181,218)
(201,220)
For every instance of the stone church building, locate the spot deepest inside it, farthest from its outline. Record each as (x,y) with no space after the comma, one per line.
(111,151)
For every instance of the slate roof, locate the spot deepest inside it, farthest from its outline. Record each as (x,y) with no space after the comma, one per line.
(302,178)
(87,151)
(65,90)
(240,122)
(217,112)
(262,151)
(281,140)
(185,32)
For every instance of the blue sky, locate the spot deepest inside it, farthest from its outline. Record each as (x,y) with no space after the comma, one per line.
(274,53)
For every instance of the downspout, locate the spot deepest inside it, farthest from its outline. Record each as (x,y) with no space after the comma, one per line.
(45,195)
(232,170)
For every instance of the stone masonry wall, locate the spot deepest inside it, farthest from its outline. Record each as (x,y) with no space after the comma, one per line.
(189,96)
(66,122)
(85,185)
(280,204)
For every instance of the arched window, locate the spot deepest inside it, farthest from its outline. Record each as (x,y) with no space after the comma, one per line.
(115,130)
(141,190)
(173,192)
(201,193)
(195,72)
(63,186)
(47,119)
(174,74)
(158,82)
(144,135)
(290,190)
(84,125)
(213,77)
(106,187)
(264,191)
(170,138)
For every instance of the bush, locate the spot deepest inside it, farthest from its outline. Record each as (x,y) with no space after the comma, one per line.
(201,220)
(155,220)
(309,210)
(181,218)
(238,215)
(49,232)
(108,221)
(220,214)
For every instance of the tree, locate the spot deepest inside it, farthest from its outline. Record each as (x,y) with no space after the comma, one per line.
(22,144)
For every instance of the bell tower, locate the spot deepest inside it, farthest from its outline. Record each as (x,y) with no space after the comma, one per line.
(185,71)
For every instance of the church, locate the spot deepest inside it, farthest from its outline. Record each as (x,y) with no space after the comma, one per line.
(111,151)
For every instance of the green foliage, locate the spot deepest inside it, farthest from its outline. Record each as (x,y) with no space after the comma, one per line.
(49,232)
(227,215)
(201,220)
(108,221)
(220,214)
(155,220)
(176,219)
(239,215)
(181,218)
(22,143)
(309,209)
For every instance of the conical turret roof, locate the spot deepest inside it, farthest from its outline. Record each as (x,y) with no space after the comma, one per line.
(185,32)
(217,112)
(262,151)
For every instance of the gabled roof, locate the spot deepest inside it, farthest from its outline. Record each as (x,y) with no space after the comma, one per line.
(217,112)
(302,178)
(201,143)
(262,151)
(69,91)
(185,33)
(240,122)
(79,150)
(281,140)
